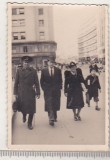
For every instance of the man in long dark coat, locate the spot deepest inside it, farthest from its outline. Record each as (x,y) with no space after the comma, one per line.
(26,88)
(51,83)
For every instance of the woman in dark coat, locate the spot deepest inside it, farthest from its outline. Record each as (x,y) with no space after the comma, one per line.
(74,91)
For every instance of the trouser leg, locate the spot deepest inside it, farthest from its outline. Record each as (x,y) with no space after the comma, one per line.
(30,118)
(51,115)
(24,117)
(50,108)
(24,114)
(88,99)
(55,115)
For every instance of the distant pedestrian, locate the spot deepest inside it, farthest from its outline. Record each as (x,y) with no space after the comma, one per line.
(26,89)
(51,83)
(93,85)
(74,91)
(94,66)
(67,71)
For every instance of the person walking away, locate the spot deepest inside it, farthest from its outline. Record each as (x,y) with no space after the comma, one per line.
(73,90)
(51,84)
(93,86)
(26,89)
(94,66)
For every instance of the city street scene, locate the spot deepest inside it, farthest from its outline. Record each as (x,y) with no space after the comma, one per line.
(58,74)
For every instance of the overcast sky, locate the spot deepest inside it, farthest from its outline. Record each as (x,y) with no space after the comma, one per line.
(67,22)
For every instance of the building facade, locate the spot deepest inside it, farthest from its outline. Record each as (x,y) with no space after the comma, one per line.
(32,34)
(91,40)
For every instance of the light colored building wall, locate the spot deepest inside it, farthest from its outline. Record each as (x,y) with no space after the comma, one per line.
(48,23)
(28,28)
(93,33)
(28,39)
(30,24)
(32,27)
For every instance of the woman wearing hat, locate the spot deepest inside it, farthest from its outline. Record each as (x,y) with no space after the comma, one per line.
(74,91)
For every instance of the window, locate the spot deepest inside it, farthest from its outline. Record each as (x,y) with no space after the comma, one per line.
(14,23)
(40,11)
(22,34)
(21,10)
(41,23)
(17,11)
(14,49)
(36,49)
(22,22)
(18,35)
(41,36)
(25,49)
(19,22)
(14,11)
(15,36)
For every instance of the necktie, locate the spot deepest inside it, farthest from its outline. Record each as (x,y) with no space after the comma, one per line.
(51,72)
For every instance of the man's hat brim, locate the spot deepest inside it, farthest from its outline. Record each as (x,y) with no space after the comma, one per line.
(72,64)
(27,59)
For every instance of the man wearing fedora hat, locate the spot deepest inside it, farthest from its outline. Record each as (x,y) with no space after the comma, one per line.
(26,88)
(51,83)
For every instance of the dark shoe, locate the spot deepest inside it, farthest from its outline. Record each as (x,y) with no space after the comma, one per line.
(88,105)
(24,119)
(97,108)
(51,123)
(78,118)
(75,118)
(30,126)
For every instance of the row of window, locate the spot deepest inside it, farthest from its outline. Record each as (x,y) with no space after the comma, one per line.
(21,22)
(33,48)
(22,36)
(88,48)
(20,11)
(88,36)
(90,53)
(87,43)
(19,35)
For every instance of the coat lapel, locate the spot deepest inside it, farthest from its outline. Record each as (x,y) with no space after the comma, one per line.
(54,71)
(47,72)
(26,73)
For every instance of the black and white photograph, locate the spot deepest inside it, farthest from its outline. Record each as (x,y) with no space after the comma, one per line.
(57,77)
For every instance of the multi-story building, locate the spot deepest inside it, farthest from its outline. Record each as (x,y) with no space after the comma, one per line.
(32,33)
(91,40)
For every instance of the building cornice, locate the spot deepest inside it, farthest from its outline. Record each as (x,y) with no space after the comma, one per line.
(34,42)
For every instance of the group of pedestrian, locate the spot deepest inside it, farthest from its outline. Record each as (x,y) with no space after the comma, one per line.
(27,89)
(74,86)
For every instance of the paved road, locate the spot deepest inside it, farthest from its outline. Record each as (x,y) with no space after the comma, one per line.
(91,130)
